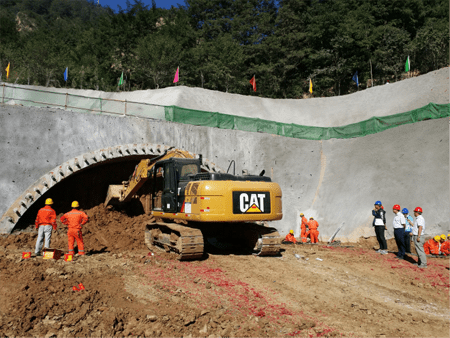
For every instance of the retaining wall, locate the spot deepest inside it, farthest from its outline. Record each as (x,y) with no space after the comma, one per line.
(334,181)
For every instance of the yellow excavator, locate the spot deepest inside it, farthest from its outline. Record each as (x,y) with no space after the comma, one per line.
(188,205)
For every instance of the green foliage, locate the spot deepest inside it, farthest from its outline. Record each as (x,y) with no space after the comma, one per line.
(221,44)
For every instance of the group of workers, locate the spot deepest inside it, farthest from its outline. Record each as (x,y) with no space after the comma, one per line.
(438,245)
(406,229)
(306,229)
(46,222)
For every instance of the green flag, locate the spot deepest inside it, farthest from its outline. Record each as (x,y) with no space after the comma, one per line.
(407,65)
(121,80)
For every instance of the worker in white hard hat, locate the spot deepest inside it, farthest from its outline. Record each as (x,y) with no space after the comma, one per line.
(74,219)
(45,222)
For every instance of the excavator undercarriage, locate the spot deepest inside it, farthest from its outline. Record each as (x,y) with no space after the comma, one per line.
(188,242)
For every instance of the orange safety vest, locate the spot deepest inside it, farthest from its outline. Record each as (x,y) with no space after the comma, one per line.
(46,216)
(304,223)
(431,247)
(290,238)
(74,219)
(445,248)
(313,225)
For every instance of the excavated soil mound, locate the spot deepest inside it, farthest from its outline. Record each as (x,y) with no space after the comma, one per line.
(106,230)
(308,291)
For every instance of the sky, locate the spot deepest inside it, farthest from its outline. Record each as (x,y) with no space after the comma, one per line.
(123,3)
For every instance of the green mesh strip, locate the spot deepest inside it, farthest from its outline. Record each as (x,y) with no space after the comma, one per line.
(363,128)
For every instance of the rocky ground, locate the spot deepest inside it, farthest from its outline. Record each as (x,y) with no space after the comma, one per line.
(310,290)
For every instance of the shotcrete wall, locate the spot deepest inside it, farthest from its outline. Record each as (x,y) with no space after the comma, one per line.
(335,181)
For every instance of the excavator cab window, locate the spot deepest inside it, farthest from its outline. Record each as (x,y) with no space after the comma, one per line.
(189,169)
(169,197)
(169,182)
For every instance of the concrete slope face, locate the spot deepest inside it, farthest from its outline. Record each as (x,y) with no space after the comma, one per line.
(335,111)
(334,181)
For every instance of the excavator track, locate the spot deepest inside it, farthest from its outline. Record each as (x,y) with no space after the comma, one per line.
(266,241)
(186,242)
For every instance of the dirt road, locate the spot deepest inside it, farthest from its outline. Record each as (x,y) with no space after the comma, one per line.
(324,291)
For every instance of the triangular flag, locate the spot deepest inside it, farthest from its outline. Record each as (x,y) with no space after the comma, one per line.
(253,83)
(407,65)
(7,71)
(175,79)
(121,80)
(310,86)
(355,78)
(66,74)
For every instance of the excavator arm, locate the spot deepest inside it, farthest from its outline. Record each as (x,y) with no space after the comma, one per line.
(124,192)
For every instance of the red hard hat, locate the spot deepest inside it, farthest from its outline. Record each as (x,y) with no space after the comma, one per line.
(418,209)
(396,207)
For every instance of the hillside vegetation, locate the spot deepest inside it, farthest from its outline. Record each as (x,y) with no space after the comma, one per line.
(221,44)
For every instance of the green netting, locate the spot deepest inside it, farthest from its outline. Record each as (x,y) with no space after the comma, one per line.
(79,103)
(363,128)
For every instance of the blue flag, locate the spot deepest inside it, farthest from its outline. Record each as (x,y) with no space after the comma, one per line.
(66,74)
(355,78)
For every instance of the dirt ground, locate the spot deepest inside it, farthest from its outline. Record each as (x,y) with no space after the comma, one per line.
(308,291)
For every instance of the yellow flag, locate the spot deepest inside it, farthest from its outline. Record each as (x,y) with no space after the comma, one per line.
(7,71)
(310,85)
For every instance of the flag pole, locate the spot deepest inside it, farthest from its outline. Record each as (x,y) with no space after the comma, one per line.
(371,74)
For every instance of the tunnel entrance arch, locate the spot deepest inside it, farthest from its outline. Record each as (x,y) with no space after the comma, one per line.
(84,178)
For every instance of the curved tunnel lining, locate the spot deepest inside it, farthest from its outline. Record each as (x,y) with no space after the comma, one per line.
(77,165)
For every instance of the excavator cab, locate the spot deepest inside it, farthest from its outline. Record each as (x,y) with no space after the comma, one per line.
(167,176)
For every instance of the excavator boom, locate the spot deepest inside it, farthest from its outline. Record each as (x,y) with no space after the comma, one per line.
(124,192)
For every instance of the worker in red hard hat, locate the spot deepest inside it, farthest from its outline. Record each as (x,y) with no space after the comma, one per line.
(431,247)
(399,224)
(74,219)
(45,222)
(444,245)
(303,227)
(418,232)
(313,232)
(290,237)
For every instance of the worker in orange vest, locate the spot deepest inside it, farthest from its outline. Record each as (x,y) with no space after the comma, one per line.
(45,221)
(445,246)
(432,246)
(313,232)
(290,237)
(74,219)
(303,227)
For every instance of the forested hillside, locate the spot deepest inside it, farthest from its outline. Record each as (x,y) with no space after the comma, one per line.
(222,44)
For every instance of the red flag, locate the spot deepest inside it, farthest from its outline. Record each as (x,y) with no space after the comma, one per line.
(253,83)
(175,79)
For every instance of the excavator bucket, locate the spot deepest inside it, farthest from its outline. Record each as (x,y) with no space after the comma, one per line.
(113,195)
